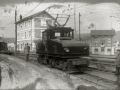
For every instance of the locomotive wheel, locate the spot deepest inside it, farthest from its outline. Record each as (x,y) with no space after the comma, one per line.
(40,59)
(79,68)
(47,62)
(50,63)
(65,67)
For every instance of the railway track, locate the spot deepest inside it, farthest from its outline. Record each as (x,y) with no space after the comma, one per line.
(96,63)
(100,66)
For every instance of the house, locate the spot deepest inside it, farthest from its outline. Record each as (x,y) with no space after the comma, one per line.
(102,42)
(30,29)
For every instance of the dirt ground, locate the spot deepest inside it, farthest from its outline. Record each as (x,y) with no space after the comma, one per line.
(19,74)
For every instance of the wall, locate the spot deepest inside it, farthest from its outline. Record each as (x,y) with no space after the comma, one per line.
(30,30)
(104,45)
(24,33)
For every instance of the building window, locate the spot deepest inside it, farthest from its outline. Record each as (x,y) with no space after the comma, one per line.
(109,39)
(25,23)
(18,35)
(109,44)
(21,46)
(21,25)
(21,35)
(96,51)
(102,38)
(29,22)
(96,44)
(29,33)
(109,50)
(25,34)
(102,45)
(102,49)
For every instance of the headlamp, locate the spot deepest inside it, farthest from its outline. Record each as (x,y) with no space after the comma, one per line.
(66,49)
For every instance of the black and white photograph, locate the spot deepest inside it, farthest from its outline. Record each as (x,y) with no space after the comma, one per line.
(60,44)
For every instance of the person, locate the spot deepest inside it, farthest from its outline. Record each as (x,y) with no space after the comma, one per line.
(27,51)
(117,63)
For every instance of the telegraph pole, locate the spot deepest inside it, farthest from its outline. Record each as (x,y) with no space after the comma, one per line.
(2,33)
(79,26)
(75,18)
(15,31)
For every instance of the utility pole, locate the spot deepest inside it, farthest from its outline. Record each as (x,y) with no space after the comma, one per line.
(15,31)
(79,26)
(75,18)
(2,33)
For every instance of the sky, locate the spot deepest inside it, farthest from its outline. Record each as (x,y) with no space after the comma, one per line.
(95,14)
(6,2)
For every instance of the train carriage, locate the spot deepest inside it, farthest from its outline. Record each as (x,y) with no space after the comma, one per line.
(4,49)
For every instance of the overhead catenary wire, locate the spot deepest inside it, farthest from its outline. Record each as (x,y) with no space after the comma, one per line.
(25,14)
(32,10)
(90,3)
(63,2)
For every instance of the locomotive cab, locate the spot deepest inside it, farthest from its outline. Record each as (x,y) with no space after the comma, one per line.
(58,33)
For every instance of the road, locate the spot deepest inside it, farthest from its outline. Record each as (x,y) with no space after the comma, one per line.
(19,74)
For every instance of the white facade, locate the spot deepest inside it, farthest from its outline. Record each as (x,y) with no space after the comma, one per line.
(29,30)
(106,51)
(24,33)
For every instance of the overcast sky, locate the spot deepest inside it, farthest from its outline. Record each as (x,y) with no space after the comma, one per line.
(5,2)
(104,14)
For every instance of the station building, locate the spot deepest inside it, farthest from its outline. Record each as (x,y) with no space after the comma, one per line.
(30,29)
(102,42)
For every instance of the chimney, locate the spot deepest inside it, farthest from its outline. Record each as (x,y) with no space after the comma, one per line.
(20,17)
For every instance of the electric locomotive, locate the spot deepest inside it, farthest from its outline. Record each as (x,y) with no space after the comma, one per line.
(58,49)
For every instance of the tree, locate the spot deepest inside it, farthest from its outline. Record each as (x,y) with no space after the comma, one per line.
(91,26)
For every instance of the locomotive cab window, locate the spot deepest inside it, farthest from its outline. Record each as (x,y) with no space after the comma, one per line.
(68,34)
(58,33)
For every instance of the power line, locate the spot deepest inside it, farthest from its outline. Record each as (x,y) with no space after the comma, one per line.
(34,8)
(43,1)
(95,19)
(26,14)
(90,3)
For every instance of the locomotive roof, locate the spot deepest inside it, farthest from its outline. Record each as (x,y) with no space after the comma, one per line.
(59,28)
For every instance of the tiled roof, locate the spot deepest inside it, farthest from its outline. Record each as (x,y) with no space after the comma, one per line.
(102,32)
(31,16)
